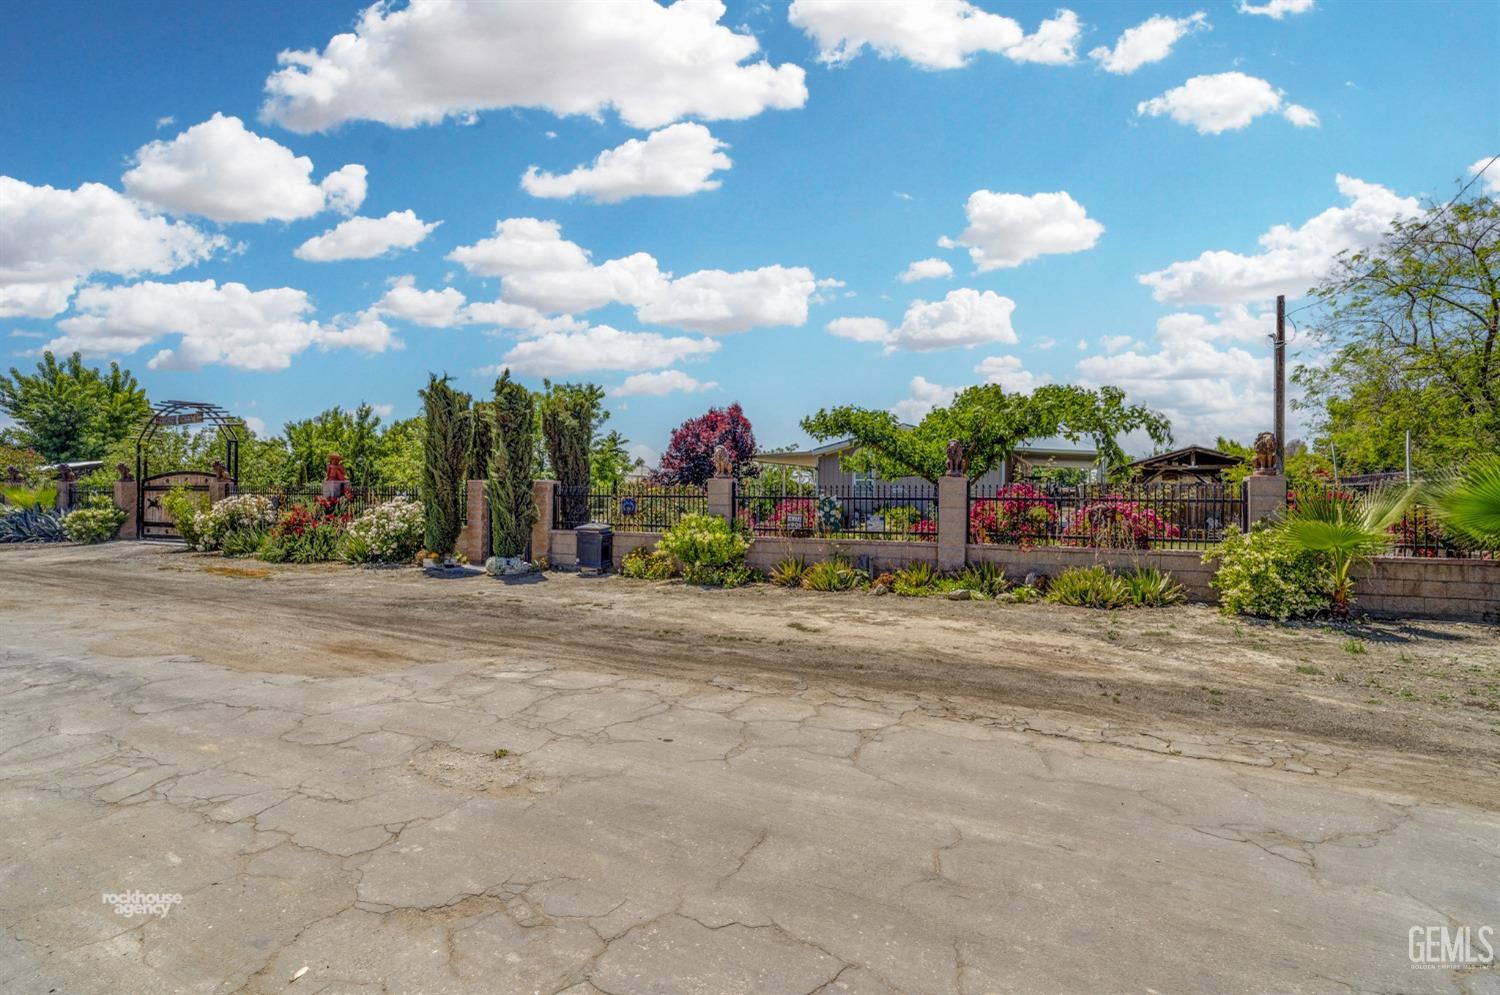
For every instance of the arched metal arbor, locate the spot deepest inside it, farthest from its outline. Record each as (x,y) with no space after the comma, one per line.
(150,489)
(169,414)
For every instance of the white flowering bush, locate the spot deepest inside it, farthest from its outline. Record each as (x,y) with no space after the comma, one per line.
(1261,574)
(390,532)
(240,513)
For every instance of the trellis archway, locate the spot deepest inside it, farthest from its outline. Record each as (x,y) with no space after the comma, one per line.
(150,518)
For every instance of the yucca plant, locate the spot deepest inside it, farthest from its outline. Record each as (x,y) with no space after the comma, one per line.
(789,572)
(1345,531)
(1469,504)
(832,575)
(1152,588)
(1088,587)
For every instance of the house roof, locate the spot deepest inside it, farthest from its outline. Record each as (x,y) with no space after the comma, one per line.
(1187,456)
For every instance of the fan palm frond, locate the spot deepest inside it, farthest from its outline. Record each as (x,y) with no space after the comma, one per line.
(1469,504)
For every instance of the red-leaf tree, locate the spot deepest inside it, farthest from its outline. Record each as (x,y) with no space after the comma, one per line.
(689,459)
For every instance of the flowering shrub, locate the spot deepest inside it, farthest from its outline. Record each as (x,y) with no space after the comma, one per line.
(1117,523)
(93,524)
(248,512)
(709,549)
(1261,574)
(390,532)
(1018,515)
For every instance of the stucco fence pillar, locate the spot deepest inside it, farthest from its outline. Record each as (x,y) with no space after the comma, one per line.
(125,498)
(721,498)
(952,523)
(544,492)
(474,539)
(1265,498)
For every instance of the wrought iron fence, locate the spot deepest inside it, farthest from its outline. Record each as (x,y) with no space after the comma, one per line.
(861,511)
(1137,516)
(80,495)
(632,507)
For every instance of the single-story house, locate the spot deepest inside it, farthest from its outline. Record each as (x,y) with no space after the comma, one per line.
(1189,465)
(824,464)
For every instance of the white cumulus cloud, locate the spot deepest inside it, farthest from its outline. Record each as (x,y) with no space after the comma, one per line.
(1490,167)
(661,383)
(431,308)
(923,395)
(1291,259)
(1224,102)
(927,269)
(1007,229)
(366,238)
(229,324)
(541,269)
(676,161)
(434,59)
(601,348)
(963,318)
(221,170)
(1276,9)
(933,34)
(53,239)
(1010,373)
(1147,42)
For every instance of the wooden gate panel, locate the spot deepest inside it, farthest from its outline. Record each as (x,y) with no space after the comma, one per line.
(154,522)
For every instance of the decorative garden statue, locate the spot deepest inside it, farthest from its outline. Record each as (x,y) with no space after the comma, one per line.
(723,465)
(66,473)
(336,483)
(957,464)
(1265,454)
(221,472)
(124,472)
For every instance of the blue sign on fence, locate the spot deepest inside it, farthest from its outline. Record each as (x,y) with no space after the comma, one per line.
(627,506)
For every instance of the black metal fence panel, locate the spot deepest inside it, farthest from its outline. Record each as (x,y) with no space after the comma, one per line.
(860,511)
(632,508)
(1101,516)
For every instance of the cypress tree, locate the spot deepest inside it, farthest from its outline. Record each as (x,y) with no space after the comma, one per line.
(569,413)
(449,433)
(512,508)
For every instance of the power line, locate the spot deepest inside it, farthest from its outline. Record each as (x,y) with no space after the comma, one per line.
(1478,175)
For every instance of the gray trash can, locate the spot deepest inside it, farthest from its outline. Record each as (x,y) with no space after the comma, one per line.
(596,546)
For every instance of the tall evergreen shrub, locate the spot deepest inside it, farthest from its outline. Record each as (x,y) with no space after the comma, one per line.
(449,433)
(513,428)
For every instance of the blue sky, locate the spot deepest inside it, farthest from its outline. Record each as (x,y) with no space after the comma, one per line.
(859,135)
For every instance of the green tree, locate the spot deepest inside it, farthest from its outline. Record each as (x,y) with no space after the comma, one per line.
(610,461)
(990,424)
(399,463)
(481,451)
(569,413)
(512,507)
(354,435)
(449,432)
(1412,328)
(69,411)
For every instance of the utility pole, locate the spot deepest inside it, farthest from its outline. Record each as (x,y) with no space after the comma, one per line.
(1280,351)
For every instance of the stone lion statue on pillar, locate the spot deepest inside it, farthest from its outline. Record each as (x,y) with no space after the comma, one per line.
(723,463)
(1265,454)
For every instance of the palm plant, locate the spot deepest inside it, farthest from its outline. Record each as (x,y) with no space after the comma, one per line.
(1469,504)
(1346,530)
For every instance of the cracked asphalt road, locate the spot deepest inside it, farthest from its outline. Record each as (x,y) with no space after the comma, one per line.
(397,807)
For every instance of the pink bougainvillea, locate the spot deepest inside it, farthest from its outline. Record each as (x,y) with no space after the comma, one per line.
(1018,515)
(1114,522)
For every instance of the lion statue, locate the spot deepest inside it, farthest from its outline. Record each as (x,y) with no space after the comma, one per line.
(1265,454)
(723,464)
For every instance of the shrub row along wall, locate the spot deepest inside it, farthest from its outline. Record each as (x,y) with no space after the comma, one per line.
(1389,585)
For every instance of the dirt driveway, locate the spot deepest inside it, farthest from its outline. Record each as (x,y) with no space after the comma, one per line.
(596,785)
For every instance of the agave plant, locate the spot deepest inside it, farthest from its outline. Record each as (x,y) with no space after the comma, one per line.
(1469,504)
(1346,530)
(31,525)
